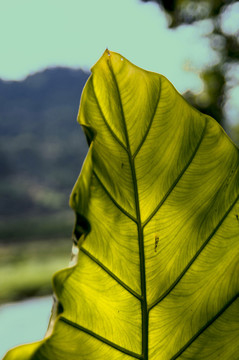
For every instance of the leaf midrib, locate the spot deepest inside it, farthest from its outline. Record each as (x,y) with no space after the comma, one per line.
(144,306)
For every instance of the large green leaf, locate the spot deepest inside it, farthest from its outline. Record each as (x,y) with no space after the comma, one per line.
(157,208)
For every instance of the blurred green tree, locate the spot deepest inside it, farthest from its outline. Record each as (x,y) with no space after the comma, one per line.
(219,79)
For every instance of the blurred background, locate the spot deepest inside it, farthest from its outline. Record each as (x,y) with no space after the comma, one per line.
(47,49)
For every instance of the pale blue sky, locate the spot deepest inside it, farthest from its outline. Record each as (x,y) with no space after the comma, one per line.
(36,34)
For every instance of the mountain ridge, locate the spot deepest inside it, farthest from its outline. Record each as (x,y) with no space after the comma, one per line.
(41,145)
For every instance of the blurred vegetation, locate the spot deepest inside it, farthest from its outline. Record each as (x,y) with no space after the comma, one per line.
(41,153)
(26,268)
(220,80)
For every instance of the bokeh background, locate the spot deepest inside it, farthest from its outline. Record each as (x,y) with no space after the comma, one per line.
(47,49)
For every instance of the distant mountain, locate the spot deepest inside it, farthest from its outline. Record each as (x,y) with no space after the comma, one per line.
(41,145)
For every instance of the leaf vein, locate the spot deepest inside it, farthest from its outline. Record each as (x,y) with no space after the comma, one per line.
(150,124)
(109,272)
(178,178)
(113,200)
(194,257)
(107,124)
(204,327)
(100,338)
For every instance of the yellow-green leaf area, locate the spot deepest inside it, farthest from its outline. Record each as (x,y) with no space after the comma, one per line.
(157,229)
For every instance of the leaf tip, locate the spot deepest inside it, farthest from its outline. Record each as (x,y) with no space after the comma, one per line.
(107,52)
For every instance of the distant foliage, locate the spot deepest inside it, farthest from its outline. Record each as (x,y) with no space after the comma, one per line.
(42,148)
(217,80)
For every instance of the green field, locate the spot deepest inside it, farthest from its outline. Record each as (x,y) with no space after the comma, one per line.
(32,249)
(26,269)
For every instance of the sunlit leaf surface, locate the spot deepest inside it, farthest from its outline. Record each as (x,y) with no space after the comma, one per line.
(157,275)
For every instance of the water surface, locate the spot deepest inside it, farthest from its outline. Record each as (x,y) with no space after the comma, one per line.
(23,322)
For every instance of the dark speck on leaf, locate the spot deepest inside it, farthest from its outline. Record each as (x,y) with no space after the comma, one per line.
(156,243)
